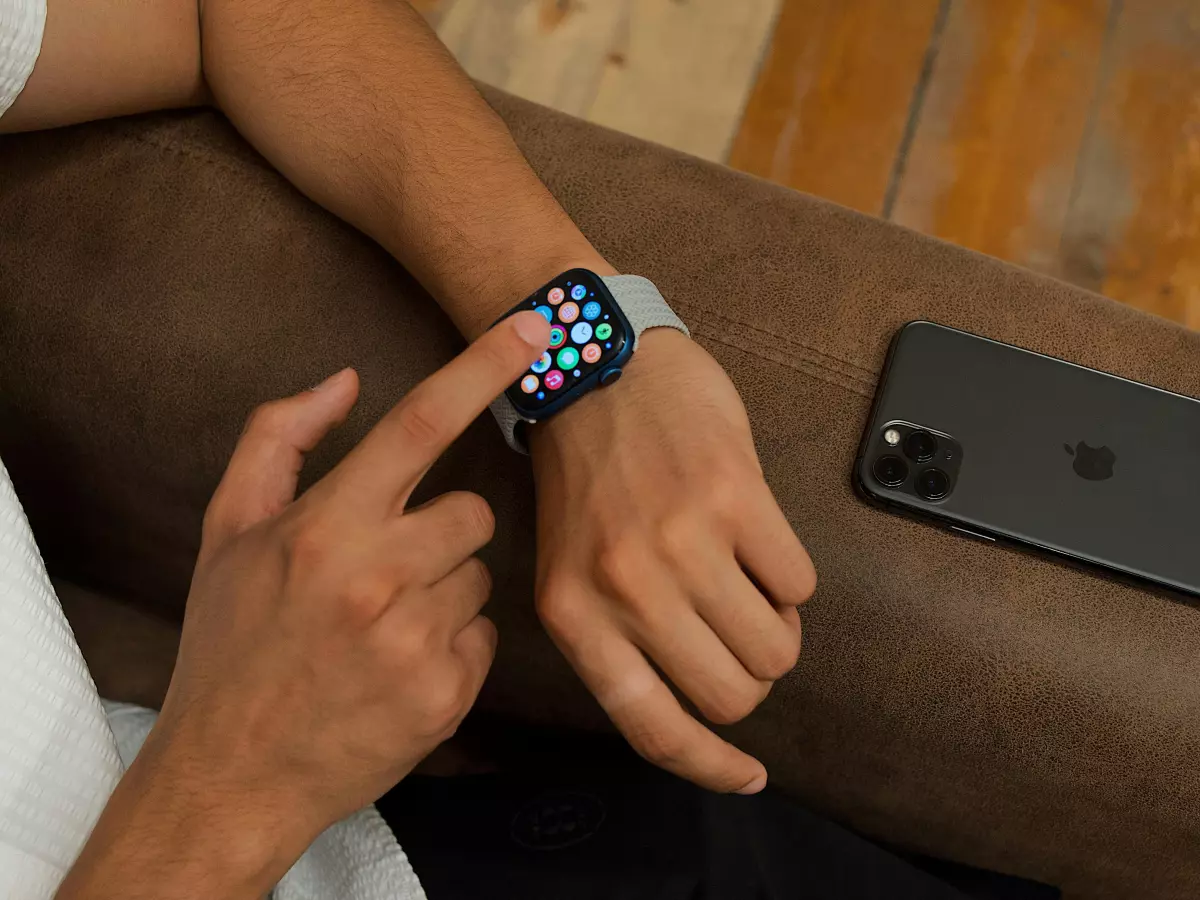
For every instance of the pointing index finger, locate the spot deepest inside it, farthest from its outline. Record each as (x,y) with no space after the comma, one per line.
(408,440)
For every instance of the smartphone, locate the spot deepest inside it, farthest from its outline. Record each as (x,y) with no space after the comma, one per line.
(1008,445)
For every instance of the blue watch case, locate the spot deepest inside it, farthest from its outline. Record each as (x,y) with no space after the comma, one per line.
(591,341)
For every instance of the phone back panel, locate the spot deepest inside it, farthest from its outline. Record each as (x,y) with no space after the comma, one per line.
(1020,418)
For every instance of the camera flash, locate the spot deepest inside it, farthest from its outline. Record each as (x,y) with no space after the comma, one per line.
(892,436)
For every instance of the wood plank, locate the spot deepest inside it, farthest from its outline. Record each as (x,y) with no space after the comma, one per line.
(993,160)
(683,71)
(1134,229)
(553,52)
(427,7)
(828,112)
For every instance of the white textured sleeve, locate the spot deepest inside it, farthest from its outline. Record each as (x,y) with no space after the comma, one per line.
(58,759)
(21,26)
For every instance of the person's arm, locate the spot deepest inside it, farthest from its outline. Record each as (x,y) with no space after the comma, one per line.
(105,58)
(257,750)
(658,540)
(363,108)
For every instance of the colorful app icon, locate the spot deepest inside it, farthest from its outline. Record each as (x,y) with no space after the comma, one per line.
(554,379)
(603,331)
(556,296)
(558,334)
(568,312)
(546,312)
(578,292)
(568,358)
(529,384)
(591,310)
(581,333)
(591,353)
(542,364)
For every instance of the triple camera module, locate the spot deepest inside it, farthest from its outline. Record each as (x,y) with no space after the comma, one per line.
(916,460)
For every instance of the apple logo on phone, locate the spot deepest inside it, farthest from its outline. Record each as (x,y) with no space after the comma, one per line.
(1092,463)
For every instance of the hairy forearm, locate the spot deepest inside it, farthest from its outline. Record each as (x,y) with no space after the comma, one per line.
(361,107)
(171,831)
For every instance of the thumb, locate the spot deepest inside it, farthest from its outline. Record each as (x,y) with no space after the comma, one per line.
(263,471)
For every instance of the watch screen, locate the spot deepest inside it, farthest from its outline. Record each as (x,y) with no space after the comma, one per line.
(586,334)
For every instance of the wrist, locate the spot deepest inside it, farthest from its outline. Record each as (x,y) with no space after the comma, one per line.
(578,427)
(515,278)
(187,832)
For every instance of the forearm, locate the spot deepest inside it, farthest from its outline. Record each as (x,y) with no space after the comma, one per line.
(170,832)
(362,108)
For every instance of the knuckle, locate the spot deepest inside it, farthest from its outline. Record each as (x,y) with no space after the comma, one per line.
(555,608)
(479,574)
(364,598)
(270,418)
(660,748)
(731,705)
(622,564)
(216,518)
(309,547)
(723,494)
(443,702)
(679,536)
(476,516)
(564,610)
(779,660)
(411,645)
(420,424)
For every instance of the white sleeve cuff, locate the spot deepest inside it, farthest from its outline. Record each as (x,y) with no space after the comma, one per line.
(21,26)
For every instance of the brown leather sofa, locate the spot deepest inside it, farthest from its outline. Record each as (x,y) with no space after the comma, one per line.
(158,279)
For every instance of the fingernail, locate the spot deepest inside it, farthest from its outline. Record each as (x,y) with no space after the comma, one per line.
(532,328)
(329,382)
(753,787)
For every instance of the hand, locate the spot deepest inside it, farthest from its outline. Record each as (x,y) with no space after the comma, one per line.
(331,642)
(658,537)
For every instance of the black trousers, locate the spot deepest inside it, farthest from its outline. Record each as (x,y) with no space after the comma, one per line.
(570,822)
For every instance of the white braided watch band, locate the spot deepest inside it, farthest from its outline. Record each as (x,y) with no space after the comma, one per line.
(643,306)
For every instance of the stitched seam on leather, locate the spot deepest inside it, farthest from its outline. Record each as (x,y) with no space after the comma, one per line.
(871,374)
(805,367)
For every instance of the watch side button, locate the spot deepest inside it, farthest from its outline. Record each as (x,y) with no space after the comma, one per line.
(608,376)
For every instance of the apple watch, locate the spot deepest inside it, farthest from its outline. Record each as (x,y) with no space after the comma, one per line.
(595,322)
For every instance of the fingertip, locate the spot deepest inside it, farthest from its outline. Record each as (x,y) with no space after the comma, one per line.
(754,785)
(334,381)
(532,328)
(337,393)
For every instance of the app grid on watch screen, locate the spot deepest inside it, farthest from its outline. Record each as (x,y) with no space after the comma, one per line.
(584,336)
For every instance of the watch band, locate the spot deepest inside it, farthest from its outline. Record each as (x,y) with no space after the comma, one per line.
(644,307)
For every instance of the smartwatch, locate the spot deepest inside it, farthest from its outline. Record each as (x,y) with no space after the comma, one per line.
(594,327)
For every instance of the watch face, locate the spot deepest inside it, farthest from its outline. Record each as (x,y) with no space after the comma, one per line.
(588,335)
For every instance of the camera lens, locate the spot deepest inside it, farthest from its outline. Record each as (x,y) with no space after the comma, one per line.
(920,446)
(933,484)
(890,471)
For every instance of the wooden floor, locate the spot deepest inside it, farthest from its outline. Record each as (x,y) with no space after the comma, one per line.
(1063,135)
